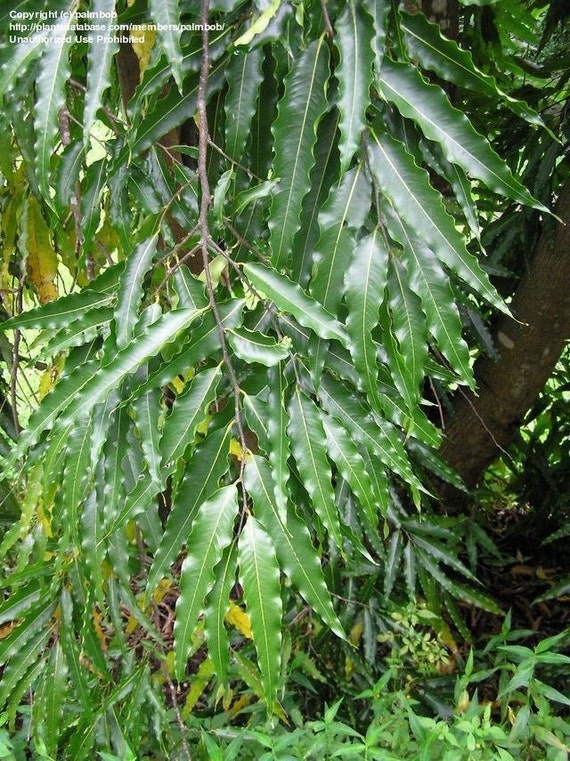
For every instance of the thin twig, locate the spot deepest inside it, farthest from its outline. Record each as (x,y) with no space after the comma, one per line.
(205,237)
(328,25)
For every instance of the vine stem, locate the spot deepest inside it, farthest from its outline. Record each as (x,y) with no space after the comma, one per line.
(205,237)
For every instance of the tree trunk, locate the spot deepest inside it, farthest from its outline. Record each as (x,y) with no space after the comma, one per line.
(483,425)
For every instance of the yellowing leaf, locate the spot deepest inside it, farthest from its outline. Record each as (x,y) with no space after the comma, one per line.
(44,519)
(49,377)
(142,41)
(199,683)
(162,589)
(237,451)
(237,617)
(260,24)
(42,259)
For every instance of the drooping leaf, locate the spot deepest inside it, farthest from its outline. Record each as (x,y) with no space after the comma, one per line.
(365,281)
(67,175)
(188,411)
(77,473)
(308,444)
(217,605)
(378,436)
(207,465)
(147,413)
(295,551)
(130,289)
(353,40)
(211,533)
(50,96)
(166,13)
(302,106)
(405,335)
(428,279)
(344,453)
(99,61)
(343,214)
(324,175)
(254,347)
(452,63)
(407,187)
(290,297)
(169,112)
(85,387)
(41,255)
(429,107)
(259,577)
(244,76)
(93,185)
(203,342)
(379,11)
(278,443)
(58,314)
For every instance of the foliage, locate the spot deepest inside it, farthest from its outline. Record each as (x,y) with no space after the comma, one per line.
(235,286)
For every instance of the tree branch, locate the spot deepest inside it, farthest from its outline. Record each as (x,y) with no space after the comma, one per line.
(203,226)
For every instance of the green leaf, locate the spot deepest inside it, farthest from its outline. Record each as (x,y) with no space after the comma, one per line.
(55,677)
(244,76)
(20,671)
(455,589)
(452,63)
(379,11)
(205,468)
(407,188)
(203,342)
(99,62)
(166,14)
(188,289)
(297,555)
(217,606)
(60,313)
(300,109)
(254,347)
(114,449)
(344,213)
(308,444)
(93,544)
(379,437)
(427,278)
(50,97)
(147,414)
(259,577)
(353,39)
(93,184)
(90,383)
(211,532)
(393,562)
(290,297)
(365,282)
(260,24)
(344,453)
(27,628)
(278,444)
(442,554)
(324,175)
(188,411)
(130,289)
(168,113)
(405,335)
(428,106)
(16,59)
(77,472)
(68,173)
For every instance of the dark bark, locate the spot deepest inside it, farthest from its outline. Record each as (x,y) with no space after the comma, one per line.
(529,348)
